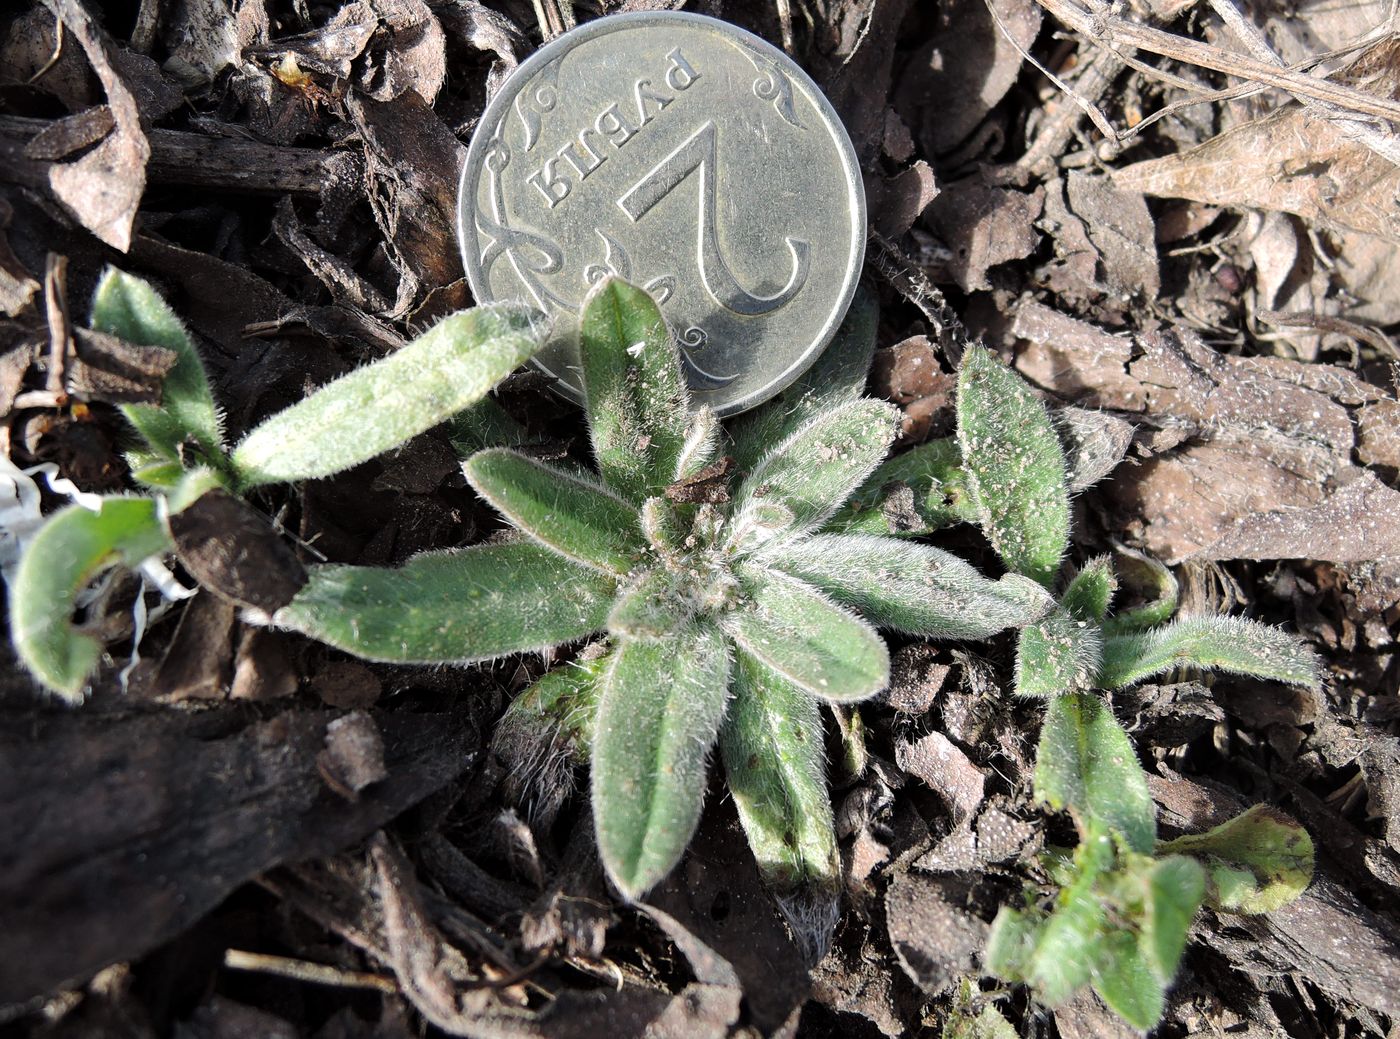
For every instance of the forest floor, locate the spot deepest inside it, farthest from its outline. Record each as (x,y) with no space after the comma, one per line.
(1158,233)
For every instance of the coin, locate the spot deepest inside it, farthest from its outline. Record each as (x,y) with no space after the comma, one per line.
(685,155)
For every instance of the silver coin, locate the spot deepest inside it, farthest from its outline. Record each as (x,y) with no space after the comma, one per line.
(685,155)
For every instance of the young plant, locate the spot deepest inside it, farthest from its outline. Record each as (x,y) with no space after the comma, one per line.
(730,615)
(182,453)
(1125,902)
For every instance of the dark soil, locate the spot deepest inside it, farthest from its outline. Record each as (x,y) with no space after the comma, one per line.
(246,834)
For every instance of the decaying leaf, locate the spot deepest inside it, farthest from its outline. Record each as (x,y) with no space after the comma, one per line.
(104,186)
(1293,160)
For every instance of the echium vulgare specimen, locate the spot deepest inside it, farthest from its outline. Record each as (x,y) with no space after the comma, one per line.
(730,614)
(1124,900)
(179,453)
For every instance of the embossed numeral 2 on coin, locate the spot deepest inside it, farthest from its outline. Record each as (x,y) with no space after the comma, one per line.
(700,153)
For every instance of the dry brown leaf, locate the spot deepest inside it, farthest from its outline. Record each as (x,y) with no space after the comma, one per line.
(104,187)
(1292,161)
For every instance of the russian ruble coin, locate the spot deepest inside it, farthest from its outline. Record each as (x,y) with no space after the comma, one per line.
(685,155)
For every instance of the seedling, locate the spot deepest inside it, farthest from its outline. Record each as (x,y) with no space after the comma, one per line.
(1125,901)
(182,454)
(730,615)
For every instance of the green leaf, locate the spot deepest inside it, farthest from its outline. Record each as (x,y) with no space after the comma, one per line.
(560,706)
(457,606)
(575,517)
(775,762)
(1142,569)
(807,476)
(913,493)
(380,406)
(806,638)
(702,435)
(837,377)
(1125,979)
(1256,862)
(1230,644)
(1089,594)
(989,1024)
(129,308)
(637,399)
(1175,886)
(1086,765)
(482,425)
(912,588)
(1058,654)
(1015,465)
(653,605)
(71,548)
(662,703)
(159,475)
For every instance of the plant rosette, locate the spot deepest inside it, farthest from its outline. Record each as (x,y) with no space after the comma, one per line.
(730,612)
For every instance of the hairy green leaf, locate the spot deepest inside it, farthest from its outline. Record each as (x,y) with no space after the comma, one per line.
(380,406)
(1233,644)
(637,400)
(1015,465)
(575,517)
(1149,576)
(806,638)
(455,606)
(1058,654)
(702,437)
(1086,765)
(1175,886)
(71,548)
(913,588)
(775,761)
(544,734)
(1089,594)
(1256,862)
(653,605)
(1125,979)
(129,308)
(1056,952)
(662,703)
(807,476)
(482,425)
(836,377)
(913,493)
(560,705)
(1063,956)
